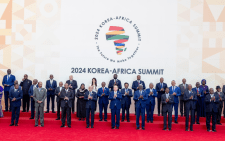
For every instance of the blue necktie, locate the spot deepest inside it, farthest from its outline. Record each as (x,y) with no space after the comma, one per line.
(7,77)
(161,85)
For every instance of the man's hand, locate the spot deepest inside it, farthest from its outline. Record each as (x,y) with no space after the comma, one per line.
(14,99)
(59,94)
(89,97)
(182,93)
(39,101)
(31,96)
(191,97)
(66,98)
(80,96)
(23,79)
(151,93)
(141,96)
(174,93)
(126,93)
(167,100)
(204,92)
(5,85)
(213,98)
(137,88)
(161,89)
(220,99)
(115,96)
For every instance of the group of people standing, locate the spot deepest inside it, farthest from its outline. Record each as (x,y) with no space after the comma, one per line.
(200,99)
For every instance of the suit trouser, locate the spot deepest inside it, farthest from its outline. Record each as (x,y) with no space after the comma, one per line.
(58,109)
(218,119)
(66,111)
(26,102)
(101,107)
(175,105)
(150,110)
(198,109)
(88,111)
(6,95)
(73,104)
(182,107)
(159,104)
(40,110)
(116,112)
(15,114)
(32,108)
(48,101)
(140,110)
(192,118)
(203,113)
(208,118)
(169,119)
(125,107)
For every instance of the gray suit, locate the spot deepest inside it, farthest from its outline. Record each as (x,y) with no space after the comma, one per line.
(182,102)
(39,107)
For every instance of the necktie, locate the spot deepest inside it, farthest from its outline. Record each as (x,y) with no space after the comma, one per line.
(7,77)
(184,86)
(103,90)
(173,88)
(138,82)
(197,90)
(161,85)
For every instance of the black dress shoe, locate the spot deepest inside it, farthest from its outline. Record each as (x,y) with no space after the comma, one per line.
(128,120)
(151,121)
(100,120)
(117,127)
(6,111)
(11,124)
(181,115)
(137,128)
(69,126)
(197,123)
(23,111)
(122,120)
(83,119)
(47,112)
(72,112)
(28,111)
(87,126)
(16,124)
(191,129)
(42,125)
(31,118)
(170,129)
(208,130)
(186,130)
(164,129)
(219,123)
(214,130)
(112,127)
(176,122)
(105,119)
(147,121)
(57,119)
(62,125)
(80,119)
(35,125)
(53,112)
(158,114)
(143,128)
(92,126)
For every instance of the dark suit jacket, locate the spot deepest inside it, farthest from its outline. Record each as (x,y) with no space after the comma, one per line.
(18,95)
(68,94)
(91,102)
(103,99)
(140,102)
(182,90)
(31,90)
(74,86)
(111,84)
(151,98)
(211,105)
(220,103)
(198,102)
(26,86)
(10,82)
(190,103)
(126,99)
(167,106)
(57,90)
(135,85)
(53,86)
(116,100)
(158,88)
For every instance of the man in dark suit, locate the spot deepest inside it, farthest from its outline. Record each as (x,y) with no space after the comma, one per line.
(160,88)
(66,97)
(31,90)
(126,101)
(183,87)
(140,98)
(190,98)
(150,102)
(113,82)
(57,93)
(50,86)
(7,82)
(199,93)
(91,98)
(115,105)
(15,97)
(72,86)
(25,84)
(220,104)
(167,101)
(103,101)
(223,102)
(211,101)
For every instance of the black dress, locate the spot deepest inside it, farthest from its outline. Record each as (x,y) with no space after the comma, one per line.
(81,103)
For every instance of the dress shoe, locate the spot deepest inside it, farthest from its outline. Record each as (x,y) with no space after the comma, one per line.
(105,119)
(16,124)
(87,126)
(122,120)
(176,122)
(53,112)
(186,130)
(181,115)
(10,111)
(147,121)
(80,119)
(62,125)
(83,119)
(112,127)
(219,123)
(151,121)
(42,125)
(100,120)
(117,127)
(47,112)
(191,129)
(23,111)
(92,126)
(28,111)
(31,118)
(137,128)
(158,114)
(164,129)
(72,112)
(35,125)
(128,120)
(11,124)
(214,130)
(6,111)
(197,123)
(57,119)
(208,130)
(69,126)
(170,129)
(143,128)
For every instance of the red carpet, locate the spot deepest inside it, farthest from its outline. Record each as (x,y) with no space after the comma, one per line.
(102,130)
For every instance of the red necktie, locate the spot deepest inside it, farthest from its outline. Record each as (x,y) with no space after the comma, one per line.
(103,90)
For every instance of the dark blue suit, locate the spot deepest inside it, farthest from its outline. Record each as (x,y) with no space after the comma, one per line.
(32,100)
(176,100)
(211,110)
(198,103)
(9,82)
(115,106)
(140,106)
(103,102)
(160,93)
(90,107)
(150,104)
(135,84)
(190,105)
(18,94)
(111,84)
(167,108)
(126,102)
(51,93)
(26,99)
